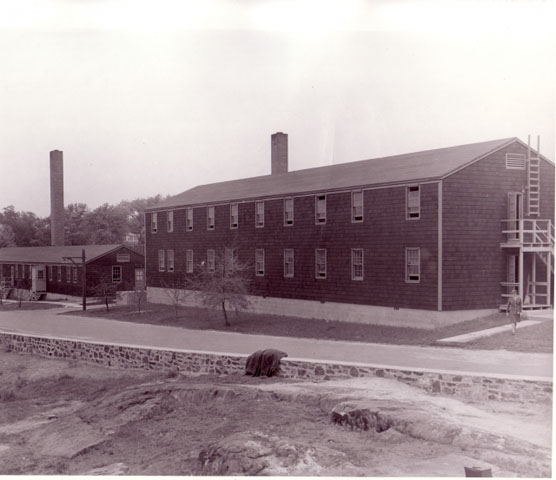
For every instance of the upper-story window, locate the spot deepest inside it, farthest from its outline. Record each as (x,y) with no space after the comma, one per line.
(210,218)
(259,262)
(189,261)
(234,215)
(288,211)
(211,260)
(170,222)
(357,264)
(288,262)
(413,202)
(189,218)
(170,260)
(320,263)
(161,261)
(259,214)
(320,209)
(154,222)
(357,206)
(515,161)
(413,265)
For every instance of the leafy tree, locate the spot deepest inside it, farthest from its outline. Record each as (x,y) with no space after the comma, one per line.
(28,229)
(105,290)
(7,236)
(225,286)
(76,228)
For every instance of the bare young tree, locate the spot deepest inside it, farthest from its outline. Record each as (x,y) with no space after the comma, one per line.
(175,292)
(223,283)
(105,291)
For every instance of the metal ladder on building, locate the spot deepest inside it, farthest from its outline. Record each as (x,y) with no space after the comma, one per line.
(533,179)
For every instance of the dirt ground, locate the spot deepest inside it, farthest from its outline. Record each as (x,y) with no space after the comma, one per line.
(61,417)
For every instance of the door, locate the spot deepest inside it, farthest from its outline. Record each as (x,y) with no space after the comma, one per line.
(515,213)
(38,278)
(139,279)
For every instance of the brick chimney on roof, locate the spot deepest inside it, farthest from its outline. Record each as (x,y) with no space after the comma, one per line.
(279,153)
(56,198)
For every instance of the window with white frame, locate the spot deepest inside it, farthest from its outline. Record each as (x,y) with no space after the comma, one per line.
(161,261)
(413,202)
(211,260)
(74,273)
(58,273)
(50,273)
(288,211)
(170,221)
(154,222)
(320,209)
(357,206)
(259,214)
(412,265)
(40,274)
(210,218)
(259,262)
(288,262)
(189,261)
(230,259)
(320,263)
(234,215)
(170,260)
(189,218)
(357,264)
(116,273)
(68,274)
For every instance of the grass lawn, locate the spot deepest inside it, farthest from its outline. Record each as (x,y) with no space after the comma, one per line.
(6,306)
(285,326)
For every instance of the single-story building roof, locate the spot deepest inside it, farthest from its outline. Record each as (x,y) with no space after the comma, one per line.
(55,255)
(419,166)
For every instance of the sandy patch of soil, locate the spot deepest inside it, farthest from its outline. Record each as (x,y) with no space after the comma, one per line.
(60,417)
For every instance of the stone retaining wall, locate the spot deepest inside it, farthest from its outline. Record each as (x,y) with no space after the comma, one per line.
(194,363)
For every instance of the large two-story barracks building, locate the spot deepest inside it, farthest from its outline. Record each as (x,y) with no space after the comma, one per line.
(419,239)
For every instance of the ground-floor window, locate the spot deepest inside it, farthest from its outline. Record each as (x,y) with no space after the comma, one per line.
(320,263)
(211,260)
(170,260)
(68,274)
(74,269)
(189,261)
(116,274)
(412,265)
(259,262)
(161,261)
(357,264)
(58,273)
(288,262)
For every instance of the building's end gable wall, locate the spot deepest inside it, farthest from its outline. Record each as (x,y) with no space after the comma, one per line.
(475,200)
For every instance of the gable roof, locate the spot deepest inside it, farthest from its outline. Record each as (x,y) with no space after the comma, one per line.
(35,255)
(410,167)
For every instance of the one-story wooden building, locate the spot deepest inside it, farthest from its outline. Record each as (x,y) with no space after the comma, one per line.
(418,239)
(57,270)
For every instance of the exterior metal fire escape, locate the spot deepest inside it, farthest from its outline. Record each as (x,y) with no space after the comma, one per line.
(531,240)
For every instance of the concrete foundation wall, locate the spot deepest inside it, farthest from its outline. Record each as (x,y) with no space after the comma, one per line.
(403,317)
(196,362)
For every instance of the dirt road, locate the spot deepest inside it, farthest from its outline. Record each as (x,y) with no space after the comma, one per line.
(60,417)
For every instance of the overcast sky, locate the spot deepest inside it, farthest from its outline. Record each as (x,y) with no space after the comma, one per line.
(149,97)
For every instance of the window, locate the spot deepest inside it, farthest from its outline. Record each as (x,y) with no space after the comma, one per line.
(259,262)
(40,274)
(320,263)
(211,260)
(74,274)
(230,259)
(320,209)
(515,161)
(116,274)
(357,264)
(288,211)
(68,274)
(58,273)
(170,222)
(50,273)
(288,262)
(412,265)
(189,218)
(357,206)
(16,272)
(234,215)
(170,259)
(259,214)
(154,222)
(413,203)
(210,218)
(161,262)
(189,261)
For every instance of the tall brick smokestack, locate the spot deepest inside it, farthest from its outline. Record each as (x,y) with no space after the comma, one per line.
(56,198)
(279,153)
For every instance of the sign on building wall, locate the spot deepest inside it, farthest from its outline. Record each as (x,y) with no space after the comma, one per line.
(123,257)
